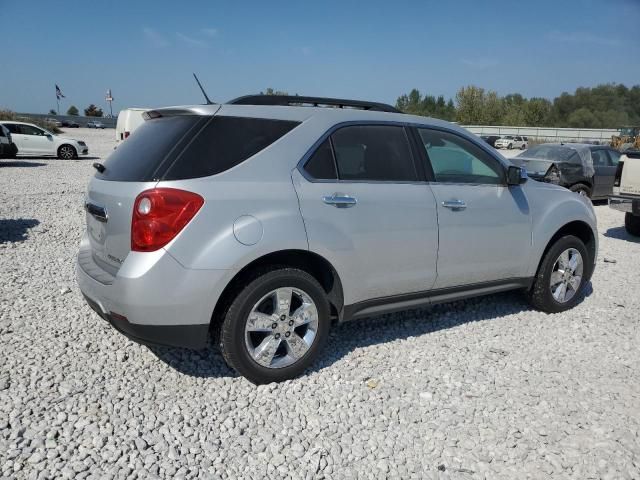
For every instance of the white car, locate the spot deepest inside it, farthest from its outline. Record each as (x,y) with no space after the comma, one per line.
(512,141)
(35,141)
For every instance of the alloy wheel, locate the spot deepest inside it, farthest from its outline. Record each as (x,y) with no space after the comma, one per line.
(566,275)
(281,327)
(66,152)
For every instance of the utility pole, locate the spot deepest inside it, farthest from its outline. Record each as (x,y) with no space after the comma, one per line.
(109,98)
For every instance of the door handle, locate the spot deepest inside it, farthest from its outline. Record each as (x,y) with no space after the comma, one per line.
(340,200)
(454,205)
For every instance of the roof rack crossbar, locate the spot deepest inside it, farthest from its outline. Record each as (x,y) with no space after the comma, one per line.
(297,100)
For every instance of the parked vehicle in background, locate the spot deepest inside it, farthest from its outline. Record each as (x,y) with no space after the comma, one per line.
(629,139)
(68,124)
(53,122)
(266,219)
(511,141)
(128,120)
(33,140)
(8,149)
(95,124)
(626,191)
(490,139)
(582,168)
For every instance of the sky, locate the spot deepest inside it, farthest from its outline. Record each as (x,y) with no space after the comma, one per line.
(146,51)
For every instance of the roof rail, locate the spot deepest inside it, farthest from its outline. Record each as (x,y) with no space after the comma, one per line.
(297,100)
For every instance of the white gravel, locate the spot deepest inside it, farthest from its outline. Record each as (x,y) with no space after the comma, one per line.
(485,388)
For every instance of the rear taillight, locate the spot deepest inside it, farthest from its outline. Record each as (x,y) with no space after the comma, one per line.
(126,134)
(159,215)
(618,177)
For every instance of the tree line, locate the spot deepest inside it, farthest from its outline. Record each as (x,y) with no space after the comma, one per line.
(90,111)
(604,106)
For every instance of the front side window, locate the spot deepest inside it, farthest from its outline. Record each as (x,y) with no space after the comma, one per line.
(373,152)
(457,160)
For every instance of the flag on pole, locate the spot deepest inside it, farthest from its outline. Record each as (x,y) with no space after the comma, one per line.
(59,94)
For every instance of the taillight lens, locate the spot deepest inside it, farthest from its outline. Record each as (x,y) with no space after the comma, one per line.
(126,134)
(159,215)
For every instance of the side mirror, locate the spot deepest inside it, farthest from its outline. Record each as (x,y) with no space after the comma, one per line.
(516,175)
(48,135)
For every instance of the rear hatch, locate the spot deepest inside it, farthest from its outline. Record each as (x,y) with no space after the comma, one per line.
(534,167)
(132,168)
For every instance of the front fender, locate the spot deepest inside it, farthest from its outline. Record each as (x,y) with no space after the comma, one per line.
(552,208)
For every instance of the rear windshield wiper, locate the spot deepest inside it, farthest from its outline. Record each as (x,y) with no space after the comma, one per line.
(98,166)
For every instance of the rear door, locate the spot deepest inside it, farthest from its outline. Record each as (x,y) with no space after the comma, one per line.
(19,138)
(484,225)
(367,213)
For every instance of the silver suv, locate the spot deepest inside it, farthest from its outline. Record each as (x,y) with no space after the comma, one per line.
(267,220)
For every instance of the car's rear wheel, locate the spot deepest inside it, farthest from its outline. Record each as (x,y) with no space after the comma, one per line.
(632,224)
(67,152)
(275,326)
(562,274)
(523,146)
(581,189)
(510,146)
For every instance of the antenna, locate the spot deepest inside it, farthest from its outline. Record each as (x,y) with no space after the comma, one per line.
(209,102)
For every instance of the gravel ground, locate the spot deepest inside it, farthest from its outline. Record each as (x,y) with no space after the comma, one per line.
(485,388)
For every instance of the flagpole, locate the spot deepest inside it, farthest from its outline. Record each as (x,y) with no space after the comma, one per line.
(58,100)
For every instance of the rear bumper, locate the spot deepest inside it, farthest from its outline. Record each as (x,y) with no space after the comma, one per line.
(153,299)
(186,336)
(625,204)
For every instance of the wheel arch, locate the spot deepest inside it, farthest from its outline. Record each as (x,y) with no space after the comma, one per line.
(581,230)
(316,265)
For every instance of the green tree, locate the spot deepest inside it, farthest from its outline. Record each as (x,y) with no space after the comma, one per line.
(73,110)
(93,111)
(470,105)
(582,118)
(52,112)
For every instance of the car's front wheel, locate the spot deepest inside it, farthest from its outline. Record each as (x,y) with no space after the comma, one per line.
(581,189)
(67,152)
(275,326)
(562,274)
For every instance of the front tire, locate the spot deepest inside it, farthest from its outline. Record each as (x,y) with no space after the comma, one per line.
(67,152)
(276,325)
(632,224)
(510,146)
(561,277)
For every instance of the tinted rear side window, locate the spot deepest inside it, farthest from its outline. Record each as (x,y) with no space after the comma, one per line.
(224,143)
(321,165)
(373,152)
(139,157)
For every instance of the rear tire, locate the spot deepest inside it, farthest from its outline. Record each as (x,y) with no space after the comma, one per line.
(632,224)
(581,189)
(551,276)
(254,327)
(523,146)
(67,152)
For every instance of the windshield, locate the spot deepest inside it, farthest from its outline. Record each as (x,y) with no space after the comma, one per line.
(508,137)
(552,152)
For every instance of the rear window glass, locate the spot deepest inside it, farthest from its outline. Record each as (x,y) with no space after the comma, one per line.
(138,158)
(552,152)
(224,143)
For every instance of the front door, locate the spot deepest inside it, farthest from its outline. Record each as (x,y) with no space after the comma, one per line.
(367,213)
(485,229)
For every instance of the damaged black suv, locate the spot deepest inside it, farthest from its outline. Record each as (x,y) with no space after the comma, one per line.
(582,168)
